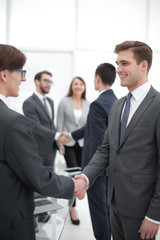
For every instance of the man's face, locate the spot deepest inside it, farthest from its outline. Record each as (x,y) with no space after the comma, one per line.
(44,85)
(13,81)
(128,70)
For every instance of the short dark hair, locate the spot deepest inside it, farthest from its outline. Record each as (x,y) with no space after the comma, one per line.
(107,72)
(70,93)
(11,57)
(39,75)
(140,50)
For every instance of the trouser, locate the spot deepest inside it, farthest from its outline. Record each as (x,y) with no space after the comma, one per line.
(99,210)
(124,227)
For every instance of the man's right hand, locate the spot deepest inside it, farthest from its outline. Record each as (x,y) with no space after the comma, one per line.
(81,193)
(80,187)
(64,138)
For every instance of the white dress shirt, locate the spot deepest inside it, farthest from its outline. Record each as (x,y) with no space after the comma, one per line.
(41,97)
(137,97)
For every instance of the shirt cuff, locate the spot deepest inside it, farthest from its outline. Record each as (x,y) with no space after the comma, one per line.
(151,220)
(86,179)
(56,136)
(70,136)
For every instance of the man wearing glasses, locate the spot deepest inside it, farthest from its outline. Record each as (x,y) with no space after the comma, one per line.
(21,167)
(39,109)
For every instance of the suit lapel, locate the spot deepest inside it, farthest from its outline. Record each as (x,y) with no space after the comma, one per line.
(71,109)
(139,112)
(80,121)
(118,119)
(52,108)
(41,105)
(2,103)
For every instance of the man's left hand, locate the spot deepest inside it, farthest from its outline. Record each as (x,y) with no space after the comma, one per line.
(148,229)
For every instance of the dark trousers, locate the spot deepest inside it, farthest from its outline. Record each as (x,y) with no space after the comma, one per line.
(99,210)
(73,157)
(124,227)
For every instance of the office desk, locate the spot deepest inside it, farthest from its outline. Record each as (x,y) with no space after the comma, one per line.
(53,228)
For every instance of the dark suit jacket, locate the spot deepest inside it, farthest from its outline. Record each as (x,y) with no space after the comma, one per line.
(21,173)
(43,127)
(97,122)
(134,166)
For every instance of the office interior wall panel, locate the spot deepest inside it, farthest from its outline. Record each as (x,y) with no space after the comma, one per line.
(3,19)
(104,23)
(154,25)
(45,24)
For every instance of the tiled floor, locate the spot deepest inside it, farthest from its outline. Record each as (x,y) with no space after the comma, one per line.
(84,230)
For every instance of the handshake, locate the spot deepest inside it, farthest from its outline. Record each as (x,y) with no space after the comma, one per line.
(80,186)
(64,138)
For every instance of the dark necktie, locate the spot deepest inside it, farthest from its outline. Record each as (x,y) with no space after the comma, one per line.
(125,116)
(45,106)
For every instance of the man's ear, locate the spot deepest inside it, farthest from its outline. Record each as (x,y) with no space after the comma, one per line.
(98,78)
(144,65)
(3,76)
(37,82)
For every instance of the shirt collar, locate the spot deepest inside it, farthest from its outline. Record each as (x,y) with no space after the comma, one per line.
(140,91)
(4,99)
(39,95)
(103,91)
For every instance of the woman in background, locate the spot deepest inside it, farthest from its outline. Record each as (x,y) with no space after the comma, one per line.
(71,115)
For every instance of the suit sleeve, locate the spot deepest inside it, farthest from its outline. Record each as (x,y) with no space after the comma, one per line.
(154,207)
(97,125)
(99,161)
(37,127)
(78,134)
(22,157)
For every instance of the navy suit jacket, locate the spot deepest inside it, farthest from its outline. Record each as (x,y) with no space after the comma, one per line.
(97,122)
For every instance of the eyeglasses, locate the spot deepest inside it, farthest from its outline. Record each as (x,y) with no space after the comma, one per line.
(47,81)
(23,72)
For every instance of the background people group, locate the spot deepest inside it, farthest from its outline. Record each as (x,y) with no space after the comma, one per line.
(71,115)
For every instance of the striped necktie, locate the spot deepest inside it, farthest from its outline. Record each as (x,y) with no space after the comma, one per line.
(45,106)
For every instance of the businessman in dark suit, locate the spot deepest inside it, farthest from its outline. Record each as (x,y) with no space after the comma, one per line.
(21,168)
(93,134)
(132,152)
(39,109)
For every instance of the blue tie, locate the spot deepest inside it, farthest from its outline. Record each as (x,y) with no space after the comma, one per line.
(125,116)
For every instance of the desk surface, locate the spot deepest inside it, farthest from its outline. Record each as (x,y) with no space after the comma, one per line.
(53,228)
